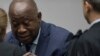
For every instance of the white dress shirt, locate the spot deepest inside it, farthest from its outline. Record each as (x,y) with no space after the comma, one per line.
(94,22)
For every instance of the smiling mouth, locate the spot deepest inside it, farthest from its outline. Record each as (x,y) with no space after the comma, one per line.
(22,35)
(24,38)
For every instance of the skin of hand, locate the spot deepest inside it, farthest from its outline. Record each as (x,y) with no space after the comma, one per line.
(29,54)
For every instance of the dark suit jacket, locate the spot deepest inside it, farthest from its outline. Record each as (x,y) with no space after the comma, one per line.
(10,50)
(53,40)
(88,44)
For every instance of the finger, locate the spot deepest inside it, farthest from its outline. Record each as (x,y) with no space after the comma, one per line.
(27,54)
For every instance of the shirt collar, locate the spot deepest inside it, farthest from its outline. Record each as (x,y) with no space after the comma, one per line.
(36,40)
(94,22)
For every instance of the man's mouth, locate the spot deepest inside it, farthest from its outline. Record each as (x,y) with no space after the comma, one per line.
(23,36)
(25,40)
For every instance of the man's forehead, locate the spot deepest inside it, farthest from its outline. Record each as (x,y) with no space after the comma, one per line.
(23,8)
(20,7)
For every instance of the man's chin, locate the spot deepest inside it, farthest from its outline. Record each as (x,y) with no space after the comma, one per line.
(26,40)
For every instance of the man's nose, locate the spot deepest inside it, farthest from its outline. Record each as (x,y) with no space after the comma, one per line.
(22,29)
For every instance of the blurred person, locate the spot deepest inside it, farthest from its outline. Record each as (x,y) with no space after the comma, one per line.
(5,48)
(88,44)
(30,32)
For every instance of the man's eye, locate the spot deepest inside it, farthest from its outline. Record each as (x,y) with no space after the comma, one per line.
(14,24)
(26,22)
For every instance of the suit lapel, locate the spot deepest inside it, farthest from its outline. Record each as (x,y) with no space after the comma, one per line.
(43,40)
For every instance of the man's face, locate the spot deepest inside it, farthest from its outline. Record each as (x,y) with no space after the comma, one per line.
(25,26)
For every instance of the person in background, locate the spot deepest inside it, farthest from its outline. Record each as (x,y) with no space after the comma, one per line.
(30,32)
(88,44)
(5,48)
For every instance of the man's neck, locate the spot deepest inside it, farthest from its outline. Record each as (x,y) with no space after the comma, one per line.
(94,16)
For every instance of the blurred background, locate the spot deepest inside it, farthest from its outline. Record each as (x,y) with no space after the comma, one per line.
(64,13)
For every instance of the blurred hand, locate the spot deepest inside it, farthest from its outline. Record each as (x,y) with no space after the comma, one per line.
(29,54)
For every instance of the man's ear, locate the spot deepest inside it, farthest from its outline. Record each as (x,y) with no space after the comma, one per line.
(87,7)
(39,15)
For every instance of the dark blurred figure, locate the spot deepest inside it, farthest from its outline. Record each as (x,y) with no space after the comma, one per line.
(88,44)
(5,48)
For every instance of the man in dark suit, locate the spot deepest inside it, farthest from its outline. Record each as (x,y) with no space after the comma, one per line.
(33,34)
(88,44)
(5,48)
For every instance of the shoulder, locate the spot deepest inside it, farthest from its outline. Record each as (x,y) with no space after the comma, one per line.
(11,49)
(10,38)
(86,42)
(55,30)
(8,46)
(60,33)
(9,35)
(56,34)
(84,46)
(90,36)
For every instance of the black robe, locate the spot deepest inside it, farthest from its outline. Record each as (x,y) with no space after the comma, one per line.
(88,44)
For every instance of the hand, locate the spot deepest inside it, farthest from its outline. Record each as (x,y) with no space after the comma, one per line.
(29,54)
